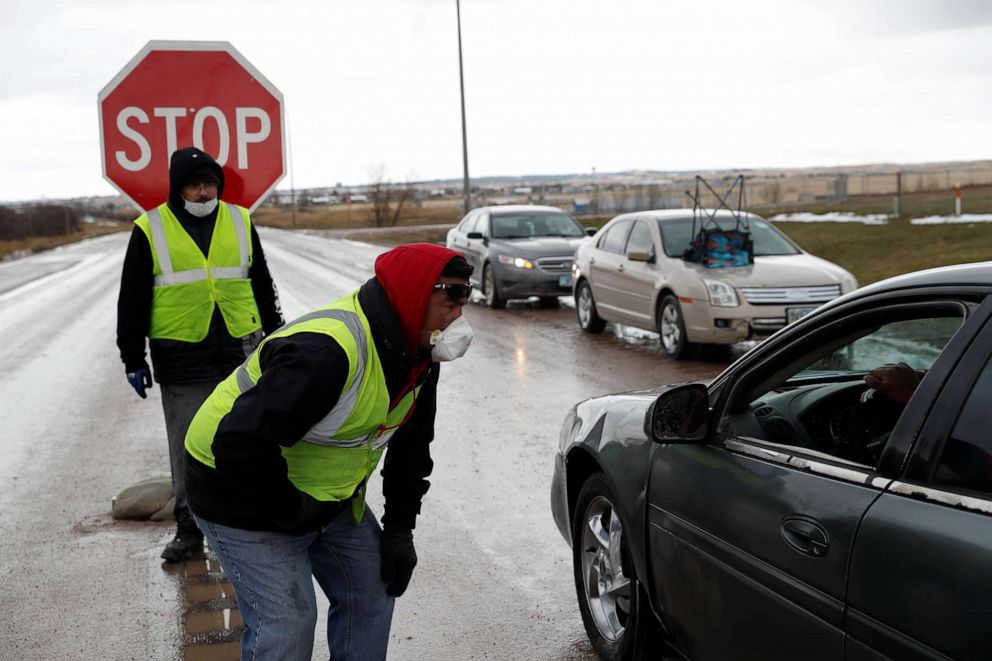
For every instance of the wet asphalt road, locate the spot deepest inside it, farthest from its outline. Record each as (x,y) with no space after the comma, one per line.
(494,579)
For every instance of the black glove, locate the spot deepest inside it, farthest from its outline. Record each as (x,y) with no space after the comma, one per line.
(140,379)
(398,558)
(310,514)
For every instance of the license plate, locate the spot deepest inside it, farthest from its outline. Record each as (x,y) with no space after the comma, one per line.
(565,280)
(795,314)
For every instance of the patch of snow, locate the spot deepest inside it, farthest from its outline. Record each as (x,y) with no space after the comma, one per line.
(832,217)
(949,220)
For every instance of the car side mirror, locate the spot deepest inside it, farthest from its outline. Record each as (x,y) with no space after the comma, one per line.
(679,415)
(640,255)
(591,231)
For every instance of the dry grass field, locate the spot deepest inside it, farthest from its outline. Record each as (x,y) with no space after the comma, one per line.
(871,252)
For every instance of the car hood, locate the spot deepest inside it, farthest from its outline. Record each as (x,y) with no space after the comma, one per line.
(802,270)
(537,246)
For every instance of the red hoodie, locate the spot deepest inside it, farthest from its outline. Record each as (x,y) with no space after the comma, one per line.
(408,274)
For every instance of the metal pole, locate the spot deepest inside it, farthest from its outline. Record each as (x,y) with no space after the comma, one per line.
(461,81)
(292,185)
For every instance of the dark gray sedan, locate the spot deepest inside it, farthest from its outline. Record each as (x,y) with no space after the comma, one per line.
(786,509)
(519,251)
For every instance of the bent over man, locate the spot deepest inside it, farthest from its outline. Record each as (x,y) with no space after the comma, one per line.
(195,283)
(279,455)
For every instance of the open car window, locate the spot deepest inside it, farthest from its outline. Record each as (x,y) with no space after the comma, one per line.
(820,403)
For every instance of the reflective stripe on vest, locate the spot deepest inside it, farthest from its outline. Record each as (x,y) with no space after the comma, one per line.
(171,277)
(322,433)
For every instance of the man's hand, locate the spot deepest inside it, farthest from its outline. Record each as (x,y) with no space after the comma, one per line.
(140,379)
(894,381)
(398,558)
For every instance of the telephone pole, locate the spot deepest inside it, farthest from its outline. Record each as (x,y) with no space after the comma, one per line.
(461,80)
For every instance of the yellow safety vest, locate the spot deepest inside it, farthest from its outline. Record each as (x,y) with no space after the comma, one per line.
(188,285)
(343,449)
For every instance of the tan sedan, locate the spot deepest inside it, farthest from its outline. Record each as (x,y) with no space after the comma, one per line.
(633,271)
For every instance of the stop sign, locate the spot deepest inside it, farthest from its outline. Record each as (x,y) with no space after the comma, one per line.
(174,94)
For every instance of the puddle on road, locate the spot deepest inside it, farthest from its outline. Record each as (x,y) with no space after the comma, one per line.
(213,622)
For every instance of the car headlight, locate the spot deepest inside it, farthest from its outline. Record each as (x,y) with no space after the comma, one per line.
(721,294)
(519,262)
(848,283)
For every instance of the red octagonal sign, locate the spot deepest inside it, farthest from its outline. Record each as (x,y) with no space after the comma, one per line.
(175,94)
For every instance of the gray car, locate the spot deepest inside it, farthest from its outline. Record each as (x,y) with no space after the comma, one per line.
(785,510)
(519,251)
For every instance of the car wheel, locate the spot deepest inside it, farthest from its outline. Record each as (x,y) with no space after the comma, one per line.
(489,289)
(610,599)
(671,327)
(585,310)
(548,302)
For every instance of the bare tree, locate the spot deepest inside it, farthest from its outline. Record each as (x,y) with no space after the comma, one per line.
(387,198)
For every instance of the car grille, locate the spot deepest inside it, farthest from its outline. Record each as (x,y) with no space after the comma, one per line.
(790,295)
(555,264)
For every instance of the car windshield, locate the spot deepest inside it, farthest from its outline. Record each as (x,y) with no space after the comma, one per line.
(677,235)
(525,225)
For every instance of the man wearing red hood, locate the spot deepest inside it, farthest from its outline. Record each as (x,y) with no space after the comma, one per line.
(279,455)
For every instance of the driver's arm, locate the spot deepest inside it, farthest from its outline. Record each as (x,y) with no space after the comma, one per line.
(894,381)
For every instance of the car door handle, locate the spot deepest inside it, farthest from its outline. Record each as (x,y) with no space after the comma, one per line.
(805,535)
(620,269)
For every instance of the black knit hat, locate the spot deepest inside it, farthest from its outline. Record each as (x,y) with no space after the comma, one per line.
(205,175)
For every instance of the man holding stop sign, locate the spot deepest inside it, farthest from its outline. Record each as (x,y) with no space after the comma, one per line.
(195,283)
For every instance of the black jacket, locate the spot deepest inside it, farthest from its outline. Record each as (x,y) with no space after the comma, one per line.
(302,377)
(186,362)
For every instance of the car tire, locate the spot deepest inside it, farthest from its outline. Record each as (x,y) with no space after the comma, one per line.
(585,310)
(671,328)
(549,302)
(491,290)
(618,620)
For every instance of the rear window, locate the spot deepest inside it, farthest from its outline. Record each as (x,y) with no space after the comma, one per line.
(676,235)
(525,225)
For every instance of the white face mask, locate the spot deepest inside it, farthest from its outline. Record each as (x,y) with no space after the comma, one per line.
(201,209)
(452,342)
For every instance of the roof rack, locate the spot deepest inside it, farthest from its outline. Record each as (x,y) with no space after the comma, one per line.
(712,245)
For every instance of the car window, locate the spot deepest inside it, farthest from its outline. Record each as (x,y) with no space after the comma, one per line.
(615,237)
(966,461)
(468,222)
(530,224)
(640,237)
(821,403)
(916,342)
(676,236)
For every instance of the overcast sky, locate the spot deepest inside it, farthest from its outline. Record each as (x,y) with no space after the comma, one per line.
(552,86)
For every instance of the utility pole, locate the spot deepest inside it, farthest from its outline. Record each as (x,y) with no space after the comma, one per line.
(461,80)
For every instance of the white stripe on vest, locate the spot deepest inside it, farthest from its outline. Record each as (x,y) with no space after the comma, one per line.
(171,277)
(323,432)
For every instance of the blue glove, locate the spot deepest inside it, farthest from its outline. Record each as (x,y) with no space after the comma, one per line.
(139,380)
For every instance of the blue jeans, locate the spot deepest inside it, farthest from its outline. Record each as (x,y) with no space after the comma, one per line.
(271,574)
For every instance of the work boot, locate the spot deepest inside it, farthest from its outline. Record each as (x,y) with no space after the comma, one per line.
(188,540)
(183,546)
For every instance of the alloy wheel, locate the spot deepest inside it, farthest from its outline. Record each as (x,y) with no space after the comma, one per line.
(671,334)
(584,307)
(607,587)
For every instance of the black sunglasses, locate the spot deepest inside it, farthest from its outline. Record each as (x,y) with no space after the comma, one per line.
(456,292)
